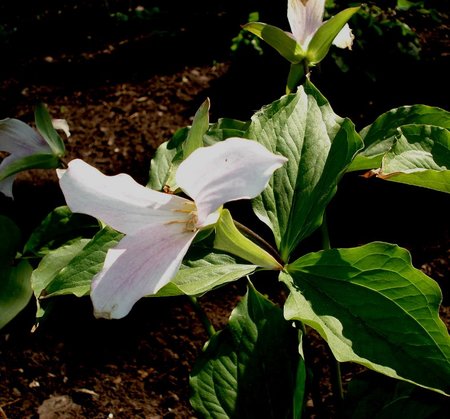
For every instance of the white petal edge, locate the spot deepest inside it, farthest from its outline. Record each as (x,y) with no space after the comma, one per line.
(119,201)
(344,39)
(226,171)
(20,140)
(139,265)
(61,124)
(305,17)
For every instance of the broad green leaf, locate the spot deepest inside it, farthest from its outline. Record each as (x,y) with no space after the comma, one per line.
(15,290)
(376,396)
(45,128)
(380,136)
(324,37)
(229,239)
(282,41)
(35,161)
(161,167)
(203,270)
(420,156)
(319,145)
(225,128)
(54,262)
(9,240)
(373,308)
(60,226)
(199,127)
(251,368)
(76,277)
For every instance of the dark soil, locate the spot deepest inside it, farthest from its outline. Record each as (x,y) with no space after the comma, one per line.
(123,92)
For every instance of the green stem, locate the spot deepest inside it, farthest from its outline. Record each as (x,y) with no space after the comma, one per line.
(336,376)
(202,315)
(264,244)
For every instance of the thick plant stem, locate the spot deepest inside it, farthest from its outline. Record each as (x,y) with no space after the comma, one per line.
(202,315)
(336,377)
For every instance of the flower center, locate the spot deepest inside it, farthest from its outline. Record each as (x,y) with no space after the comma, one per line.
(189,218)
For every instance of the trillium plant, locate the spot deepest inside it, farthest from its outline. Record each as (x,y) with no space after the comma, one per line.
(116,242)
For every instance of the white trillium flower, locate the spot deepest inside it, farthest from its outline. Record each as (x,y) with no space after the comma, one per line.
(160,227)
(306,17)
(20,140)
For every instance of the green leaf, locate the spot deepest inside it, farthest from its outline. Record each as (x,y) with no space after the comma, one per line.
(161,167)
(380,136)
(9,241)
(45,128)
(229,239)
(76,277)
(203,270)
(373,308)
(199,127)
(319,145)
(374,395)
(53,263)
(60,226)
(35,161)
(324,37)
(250,369)
(15,290)
(283,42)
(420,156)
(225,128)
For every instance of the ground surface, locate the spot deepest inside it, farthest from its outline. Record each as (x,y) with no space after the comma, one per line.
(122,96)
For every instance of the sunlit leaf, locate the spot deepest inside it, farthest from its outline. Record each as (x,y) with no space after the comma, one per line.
(199,127)
(324,37)
(252,368)
(282,41)
(319,145)
(76,277)
(203,270)
(379,136)
(373,308)
(420,156)
(161,167)
(48,132)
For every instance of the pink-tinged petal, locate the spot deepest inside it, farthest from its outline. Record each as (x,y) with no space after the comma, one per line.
(305,17)
(119,201)
(226,171)
(20,140)
(344,38)
(139,265)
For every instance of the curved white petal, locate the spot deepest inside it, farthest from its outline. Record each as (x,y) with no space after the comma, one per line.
(61,124)
(305,17)
(139,265)
(20,140)
(226,171)
(344,39)
(119,201)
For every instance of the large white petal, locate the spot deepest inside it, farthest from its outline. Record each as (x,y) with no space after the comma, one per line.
(305,17)
(226,171)
(20,140)
(344,38)
(119,201)
(139,265)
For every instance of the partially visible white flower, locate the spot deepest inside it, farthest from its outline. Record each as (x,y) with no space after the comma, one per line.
(20,140)
(306,17)
(160,227)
